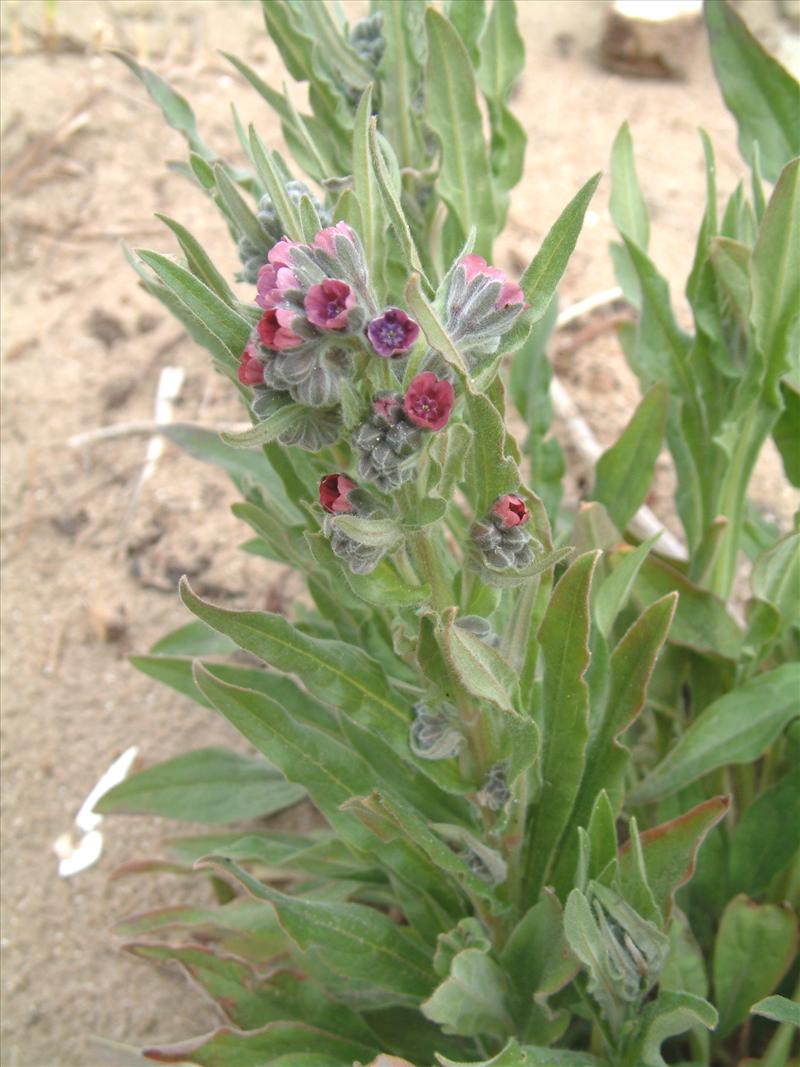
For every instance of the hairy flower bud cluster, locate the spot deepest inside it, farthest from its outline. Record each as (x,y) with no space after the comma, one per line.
(385,443)
(630,952)
(253,258)
(495,793)
(366,37)
(482,305)
(435,733)
(503,537)
(338,495)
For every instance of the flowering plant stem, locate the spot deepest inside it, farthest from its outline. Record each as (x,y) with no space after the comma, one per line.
(517,720)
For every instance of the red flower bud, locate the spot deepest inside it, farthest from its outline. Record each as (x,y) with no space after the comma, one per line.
(429,401)
(511,510)
(251,369)
(334,493)
(274,329)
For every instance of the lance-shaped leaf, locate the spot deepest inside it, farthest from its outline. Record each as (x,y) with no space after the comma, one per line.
(337,673)
(229,329)
(630,669)
(727,732)
(480,668)
(767,836)
(276,187)
(452,111)
(491,470)
(776,577)
(564,728)
(780,1009)
(288,1041)
(250,1001)
(400,72)
(775,276)
(354,941)
(210,785)
(761,94)
(327,768)
(544,273)
(612,595)
(670,850)
(473,999)
(284,415)
(243,927)
(502,60)
(368,195)
(174,107)
(754,947)
(198,260)
(242,215)
(625,471)
(391,200)
(701,619)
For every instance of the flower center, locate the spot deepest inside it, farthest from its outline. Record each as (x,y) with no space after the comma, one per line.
(335,307)
(426,406)
(392,334)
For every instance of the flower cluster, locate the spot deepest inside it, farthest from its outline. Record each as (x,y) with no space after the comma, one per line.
(339,495)
(387,442)
(503,537)
(319,313)
(435,733)
(482,305)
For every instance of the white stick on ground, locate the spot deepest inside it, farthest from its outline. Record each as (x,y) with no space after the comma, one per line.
(644,523)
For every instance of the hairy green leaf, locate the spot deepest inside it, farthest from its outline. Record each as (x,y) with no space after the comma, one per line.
(762,96)
(754,947)
(211,785)
(727,732)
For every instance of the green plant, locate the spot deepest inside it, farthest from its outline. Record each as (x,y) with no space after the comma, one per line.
(519,726)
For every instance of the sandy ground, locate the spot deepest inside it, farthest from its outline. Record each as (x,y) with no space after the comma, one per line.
(82,347)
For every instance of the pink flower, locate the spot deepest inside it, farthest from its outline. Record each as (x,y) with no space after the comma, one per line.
(273,283)
(280,255)
(510,293)
(334,493)
(392,333)
(511,510)
(326,239)
(328,303)
(251,369)
(274,329)
(429,401)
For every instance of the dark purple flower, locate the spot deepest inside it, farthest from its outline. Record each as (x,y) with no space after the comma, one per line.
(392,333)
(251,369)
(510,293)
(511,510)
(429,401)
(274,329)
(334,493)
(327,304)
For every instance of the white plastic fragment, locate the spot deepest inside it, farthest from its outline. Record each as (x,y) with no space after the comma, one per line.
(73,857)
